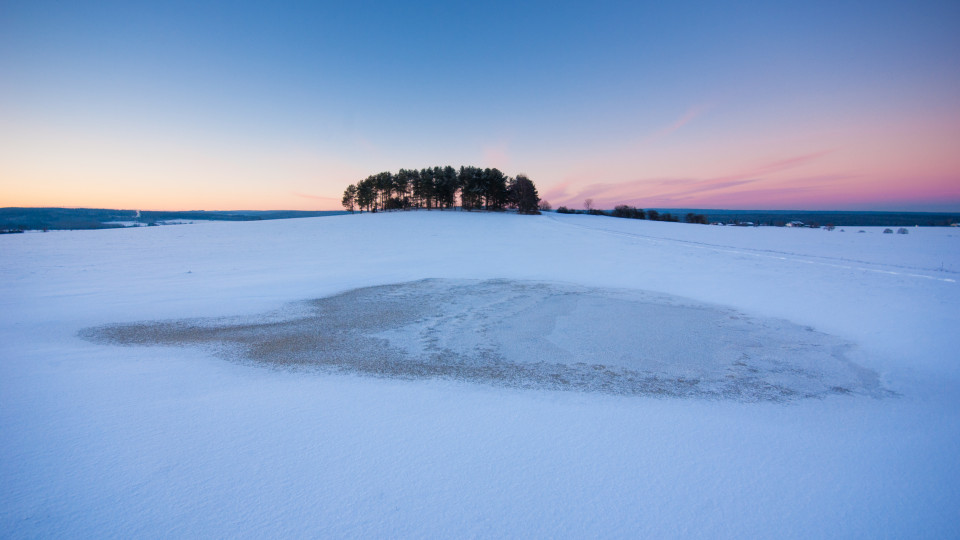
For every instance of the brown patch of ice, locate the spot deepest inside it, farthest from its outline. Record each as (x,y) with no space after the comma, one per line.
(532,335)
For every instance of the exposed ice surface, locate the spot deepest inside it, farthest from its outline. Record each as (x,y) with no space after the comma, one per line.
(533,335)
(98,440)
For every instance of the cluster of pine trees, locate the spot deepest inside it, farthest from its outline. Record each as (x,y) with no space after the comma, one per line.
(442,187)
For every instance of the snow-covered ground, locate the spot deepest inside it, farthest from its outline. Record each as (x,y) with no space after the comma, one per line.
(182,221)
(160,222)
(101,439)
(125,223)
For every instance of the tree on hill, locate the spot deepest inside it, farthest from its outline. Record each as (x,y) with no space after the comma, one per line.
(350,197)
(365,194)
(423,189)
(446,185)
(471,188)
(523,195)
(438,187)
(401,186)
(495,190)
(384,185)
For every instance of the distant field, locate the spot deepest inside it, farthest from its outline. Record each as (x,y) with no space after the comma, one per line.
(780,218)
(27,219)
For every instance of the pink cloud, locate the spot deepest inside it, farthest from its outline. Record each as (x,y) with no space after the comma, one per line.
(691,114)
(557,192)
(497,155)
(702,191)
(332,200)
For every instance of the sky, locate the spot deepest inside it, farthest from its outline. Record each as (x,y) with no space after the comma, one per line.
(818,105)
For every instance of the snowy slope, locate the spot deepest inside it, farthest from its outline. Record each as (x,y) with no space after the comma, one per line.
(157,442)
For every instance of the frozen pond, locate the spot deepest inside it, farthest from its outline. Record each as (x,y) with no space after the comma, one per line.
(531,335)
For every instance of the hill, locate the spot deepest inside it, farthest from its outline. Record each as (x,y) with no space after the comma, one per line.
(293,378)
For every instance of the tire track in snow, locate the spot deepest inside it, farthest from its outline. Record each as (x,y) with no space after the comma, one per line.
(771,254)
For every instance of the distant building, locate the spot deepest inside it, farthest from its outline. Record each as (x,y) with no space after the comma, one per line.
(796,224)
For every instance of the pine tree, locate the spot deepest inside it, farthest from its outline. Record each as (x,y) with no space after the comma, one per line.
(349,197)
(523,194)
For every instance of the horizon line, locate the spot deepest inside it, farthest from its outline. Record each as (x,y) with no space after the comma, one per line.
(134,209)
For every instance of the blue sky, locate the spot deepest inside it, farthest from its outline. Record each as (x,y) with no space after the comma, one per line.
(280,105)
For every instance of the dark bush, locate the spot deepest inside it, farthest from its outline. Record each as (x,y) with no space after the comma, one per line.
(667,216)
(629,212)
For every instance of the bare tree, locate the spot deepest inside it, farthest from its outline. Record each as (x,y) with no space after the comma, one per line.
(588,205)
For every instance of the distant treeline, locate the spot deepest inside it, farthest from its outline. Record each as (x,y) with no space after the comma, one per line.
(779,218)
(819,218)
(443,187)
(630,212)
(38,219)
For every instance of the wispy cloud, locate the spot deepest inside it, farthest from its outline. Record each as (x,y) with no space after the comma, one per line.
(724,189)
(317,198)
(689,116)
(497,155)
(790,163)
(557,192)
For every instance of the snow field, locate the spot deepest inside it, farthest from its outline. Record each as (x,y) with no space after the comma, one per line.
(103,440)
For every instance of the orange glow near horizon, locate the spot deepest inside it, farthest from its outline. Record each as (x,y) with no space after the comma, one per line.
(762,187)
(907,165)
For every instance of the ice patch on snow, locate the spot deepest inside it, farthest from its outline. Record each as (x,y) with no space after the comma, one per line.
(532,335)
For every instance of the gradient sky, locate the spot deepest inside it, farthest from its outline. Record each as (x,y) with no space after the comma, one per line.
(270,105)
